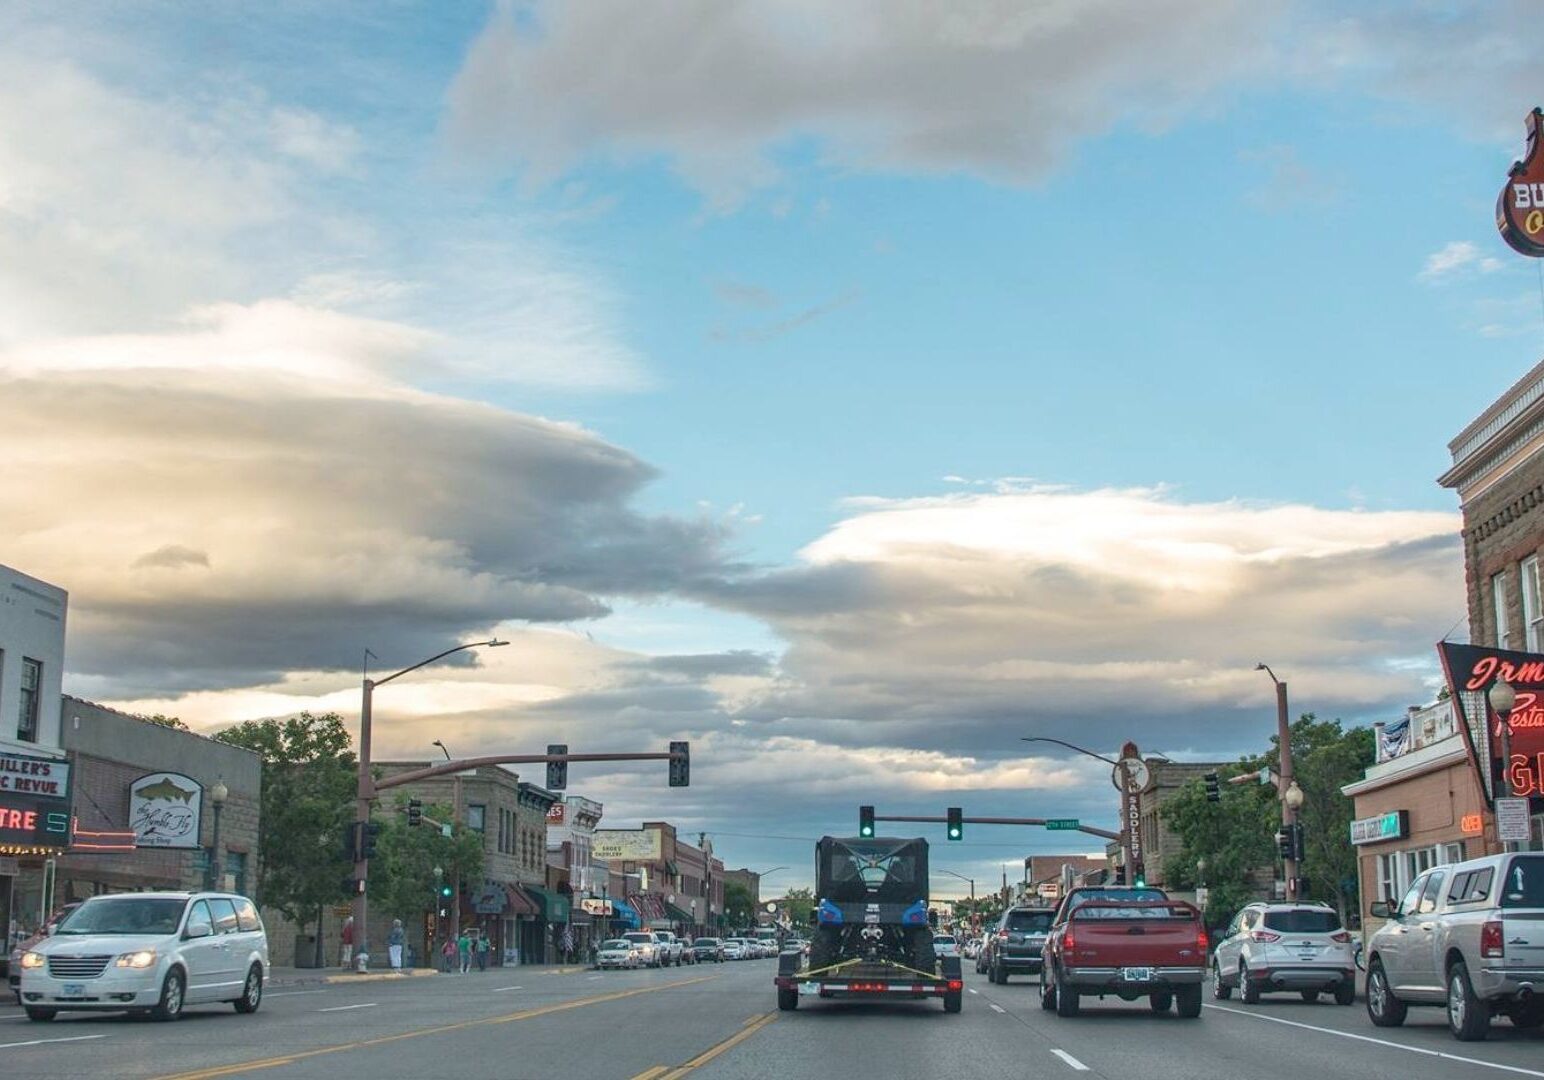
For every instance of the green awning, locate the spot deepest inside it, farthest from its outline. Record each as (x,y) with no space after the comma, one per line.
(672,869)
(554,905)
(675,914)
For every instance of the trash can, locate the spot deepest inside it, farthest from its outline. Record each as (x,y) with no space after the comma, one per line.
(305,950)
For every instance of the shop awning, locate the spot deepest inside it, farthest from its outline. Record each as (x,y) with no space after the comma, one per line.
(648,905)
(675,914)
(520,904)
(554,905)
(625,913)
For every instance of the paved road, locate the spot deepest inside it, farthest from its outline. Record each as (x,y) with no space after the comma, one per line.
(719,1022)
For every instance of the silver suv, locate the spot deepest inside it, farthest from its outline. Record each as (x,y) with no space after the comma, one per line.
(1469,936)
(1269,948)
(150,953)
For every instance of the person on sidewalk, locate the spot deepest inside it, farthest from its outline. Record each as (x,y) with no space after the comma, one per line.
(567,944)
(464,950)
(347,936)
(483,948)
(394,942)
(448,955)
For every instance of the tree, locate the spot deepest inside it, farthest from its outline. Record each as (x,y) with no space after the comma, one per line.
(161,720)
(739,905)
(402,879)
(1237,835)
(799,904)
(307,803)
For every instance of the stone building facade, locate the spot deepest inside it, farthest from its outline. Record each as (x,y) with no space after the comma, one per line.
(1159,842)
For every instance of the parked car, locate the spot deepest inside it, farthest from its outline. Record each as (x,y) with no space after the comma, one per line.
(150,953)
(1131,943)
(1270,948)
(734,949)
(617,953)
(648,946)
(670,948)
(1017,943)
(13,966)
(708,950)
(1469,936)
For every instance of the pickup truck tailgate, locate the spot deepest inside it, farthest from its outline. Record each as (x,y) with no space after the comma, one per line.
(1134,935)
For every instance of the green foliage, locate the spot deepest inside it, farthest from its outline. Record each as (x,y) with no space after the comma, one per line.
(307,800)
(162,720)
(799,904)
(402,879)
(738,904)
(1237,835)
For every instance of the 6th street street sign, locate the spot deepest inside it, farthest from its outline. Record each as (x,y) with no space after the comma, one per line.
(1061,823)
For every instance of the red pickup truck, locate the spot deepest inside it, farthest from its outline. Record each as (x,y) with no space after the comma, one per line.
(1127,942)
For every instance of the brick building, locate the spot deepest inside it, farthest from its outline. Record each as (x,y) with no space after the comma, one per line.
(680,885)
(1159,842)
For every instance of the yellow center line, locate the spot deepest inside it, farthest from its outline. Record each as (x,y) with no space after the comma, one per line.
(524,1014)
(650,1074)
(756,1024)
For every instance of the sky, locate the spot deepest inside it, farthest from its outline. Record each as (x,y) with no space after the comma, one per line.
(851,390)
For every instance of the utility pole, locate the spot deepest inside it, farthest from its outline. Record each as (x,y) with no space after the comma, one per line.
(455,823)
(1284,783)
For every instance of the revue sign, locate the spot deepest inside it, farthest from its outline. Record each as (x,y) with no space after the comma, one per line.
(34,776)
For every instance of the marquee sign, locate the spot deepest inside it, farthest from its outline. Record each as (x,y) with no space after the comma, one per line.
(1471,670)
(25,775)
(33,822)
(1520,206)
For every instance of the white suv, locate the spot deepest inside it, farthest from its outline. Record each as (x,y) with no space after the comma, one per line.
(151,953)
(1274,947)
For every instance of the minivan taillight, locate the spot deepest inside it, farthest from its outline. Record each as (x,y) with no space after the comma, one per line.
(1490,940)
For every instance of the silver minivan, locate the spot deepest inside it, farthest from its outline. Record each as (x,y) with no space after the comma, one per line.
(151,952)
(1468,936)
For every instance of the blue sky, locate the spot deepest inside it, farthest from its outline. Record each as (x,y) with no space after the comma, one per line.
(980,370)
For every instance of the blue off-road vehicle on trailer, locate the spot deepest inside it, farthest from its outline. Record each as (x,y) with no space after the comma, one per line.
(871,936)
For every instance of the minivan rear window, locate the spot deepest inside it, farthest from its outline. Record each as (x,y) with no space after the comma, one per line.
(1302,922)
(1029,922)
(1523,885)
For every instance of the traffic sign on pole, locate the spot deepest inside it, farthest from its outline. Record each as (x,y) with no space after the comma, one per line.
(1061,823)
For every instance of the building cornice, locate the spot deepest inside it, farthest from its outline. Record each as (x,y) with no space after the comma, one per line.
(1497,433)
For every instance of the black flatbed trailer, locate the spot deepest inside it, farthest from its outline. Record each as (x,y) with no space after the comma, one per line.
(869,980)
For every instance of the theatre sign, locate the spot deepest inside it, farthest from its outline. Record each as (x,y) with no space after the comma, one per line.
(34,805)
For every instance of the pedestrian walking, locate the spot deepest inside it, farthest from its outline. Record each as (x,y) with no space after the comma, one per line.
(464,951)
(347,936)
(483,947)
(394,942)
(567,943)
(448,955)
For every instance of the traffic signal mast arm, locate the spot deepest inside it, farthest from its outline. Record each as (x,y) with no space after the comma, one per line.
(939,820)
(398,779)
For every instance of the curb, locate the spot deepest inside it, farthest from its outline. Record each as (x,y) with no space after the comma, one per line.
(379,976)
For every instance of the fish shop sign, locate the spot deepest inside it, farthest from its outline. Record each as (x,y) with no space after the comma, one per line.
(164,810)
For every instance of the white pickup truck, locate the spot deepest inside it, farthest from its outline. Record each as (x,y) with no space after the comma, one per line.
(670,948)
(1468,936)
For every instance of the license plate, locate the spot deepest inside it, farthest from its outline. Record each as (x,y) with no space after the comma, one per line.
(1143,974)
(871,918)
(73,990)
(809,989)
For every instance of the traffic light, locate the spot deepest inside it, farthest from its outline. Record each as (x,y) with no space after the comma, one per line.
(1120,875)
(351,841)
(371,832)
(557,771)
(1141,879)
(681,767)
(932,918)
(1213,787)
(865,821)
(956,829)
(1285,842)
(351,886)
(445,891)
(1298,841)
(415,812)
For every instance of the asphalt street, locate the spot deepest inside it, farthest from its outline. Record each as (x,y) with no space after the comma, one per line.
(720,1022)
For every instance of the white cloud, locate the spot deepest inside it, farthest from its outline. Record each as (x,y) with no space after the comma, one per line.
(313,139)
(1456,256)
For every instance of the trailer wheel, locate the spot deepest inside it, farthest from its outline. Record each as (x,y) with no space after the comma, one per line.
(953,1002)
(787,1000)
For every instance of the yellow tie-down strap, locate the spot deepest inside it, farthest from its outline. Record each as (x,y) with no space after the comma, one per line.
(836,968)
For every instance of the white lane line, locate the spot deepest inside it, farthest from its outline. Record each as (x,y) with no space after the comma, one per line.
(973,990)
(1383,1042)
(293,993)
(592,978)
(501,989)
(997,1008)
(40,1042)
(344,1008)
(1070,1060)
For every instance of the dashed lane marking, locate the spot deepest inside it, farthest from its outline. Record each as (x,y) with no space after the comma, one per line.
(42,1042)
(345,1008)
(1382,1042)
(502,989)
(1070,1060)
(292,993)
(973,990)
(996,1007)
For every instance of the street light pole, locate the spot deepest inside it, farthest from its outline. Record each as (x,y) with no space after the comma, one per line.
(455,820)
(1284,748)
(365,789)
(1128,856)
(217,796)
(962,877)
(1503,699)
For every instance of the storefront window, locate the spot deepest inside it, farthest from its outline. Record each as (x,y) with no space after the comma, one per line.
(1498,606)
(1533,609)
(475,814)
